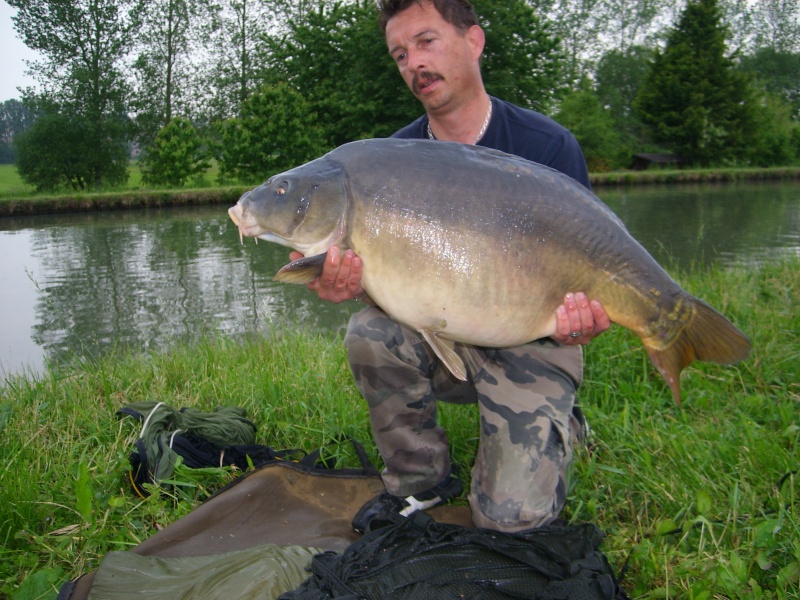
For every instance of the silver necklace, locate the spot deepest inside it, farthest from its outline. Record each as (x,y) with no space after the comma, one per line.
(480,133)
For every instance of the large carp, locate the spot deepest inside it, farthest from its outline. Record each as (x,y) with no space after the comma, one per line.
(472,245)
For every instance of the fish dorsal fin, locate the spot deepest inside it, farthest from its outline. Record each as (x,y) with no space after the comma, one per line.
(302,270)
(446,351)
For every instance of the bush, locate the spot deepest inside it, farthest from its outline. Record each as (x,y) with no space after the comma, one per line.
(276,131)
(777,141)
(60,150)
(177,155)
(593,126)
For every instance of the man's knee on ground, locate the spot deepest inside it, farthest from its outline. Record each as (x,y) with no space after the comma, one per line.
(508,517)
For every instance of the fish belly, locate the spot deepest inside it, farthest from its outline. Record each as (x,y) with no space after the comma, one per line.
(491,303)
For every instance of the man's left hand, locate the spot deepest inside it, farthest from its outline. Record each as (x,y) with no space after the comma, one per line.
(578,320)
(341,276)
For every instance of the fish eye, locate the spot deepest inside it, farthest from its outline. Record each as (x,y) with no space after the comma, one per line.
(281,189)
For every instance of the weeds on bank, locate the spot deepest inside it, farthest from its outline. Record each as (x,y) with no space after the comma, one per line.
(698,501)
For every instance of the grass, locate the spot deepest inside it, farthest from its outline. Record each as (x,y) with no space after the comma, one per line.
(698,501)
(13,188)
(11,185)
(17,198)
(716,174)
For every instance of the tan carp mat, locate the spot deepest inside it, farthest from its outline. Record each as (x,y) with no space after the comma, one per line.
(282,512)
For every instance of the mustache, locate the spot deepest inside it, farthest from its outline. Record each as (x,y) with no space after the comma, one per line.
(423,77)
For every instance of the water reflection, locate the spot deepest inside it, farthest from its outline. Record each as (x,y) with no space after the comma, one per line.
(731,224)
(81,285)
(143,279)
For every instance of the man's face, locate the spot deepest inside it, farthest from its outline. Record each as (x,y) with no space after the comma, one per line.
(438,62)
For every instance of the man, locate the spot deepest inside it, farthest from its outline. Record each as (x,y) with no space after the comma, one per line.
(526,395)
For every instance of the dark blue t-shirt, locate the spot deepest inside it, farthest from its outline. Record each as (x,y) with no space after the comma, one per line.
(526,133)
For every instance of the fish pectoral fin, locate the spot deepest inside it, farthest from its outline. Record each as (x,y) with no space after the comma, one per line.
(302,270)
(472,357)
(446,351)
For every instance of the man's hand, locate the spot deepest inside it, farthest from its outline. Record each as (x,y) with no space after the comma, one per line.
(578,320)
(341,276)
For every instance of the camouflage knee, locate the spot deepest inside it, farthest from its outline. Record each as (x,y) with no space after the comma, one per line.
(526,398)
(392,367)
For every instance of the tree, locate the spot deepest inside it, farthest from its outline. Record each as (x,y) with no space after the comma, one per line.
(522,61)
(165,70)
(277,131)
(177,155)
(233,71)
(777,139)
(777,72)
(628,23)
(336,58)
(778,24)
(14,119)
(593,126)
(579,27)
(587,29)
(83,44)
(694,101)
(618,77)
(66,150)
(741,19)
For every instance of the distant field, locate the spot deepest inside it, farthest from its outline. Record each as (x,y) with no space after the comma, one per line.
(11,186)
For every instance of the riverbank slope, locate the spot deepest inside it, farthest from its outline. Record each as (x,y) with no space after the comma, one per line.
(15,204)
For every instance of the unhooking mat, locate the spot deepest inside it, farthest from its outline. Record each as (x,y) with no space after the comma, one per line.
(253,574)
(283,503)
(253,539)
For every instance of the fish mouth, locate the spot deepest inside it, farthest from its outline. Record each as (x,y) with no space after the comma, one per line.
(247,224)
(249,227)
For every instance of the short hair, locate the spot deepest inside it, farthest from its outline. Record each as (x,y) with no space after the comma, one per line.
(458,13)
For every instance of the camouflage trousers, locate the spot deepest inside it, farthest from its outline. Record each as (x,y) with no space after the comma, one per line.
(528,418)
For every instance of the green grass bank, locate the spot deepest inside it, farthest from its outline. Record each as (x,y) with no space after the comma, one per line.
(17,198)
(698,501)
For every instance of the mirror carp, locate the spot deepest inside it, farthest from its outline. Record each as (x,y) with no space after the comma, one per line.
(475,247)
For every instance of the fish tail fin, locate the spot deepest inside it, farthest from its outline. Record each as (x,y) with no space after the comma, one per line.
(707,336)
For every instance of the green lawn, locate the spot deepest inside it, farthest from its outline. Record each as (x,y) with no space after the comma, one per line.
(11,186)
(698,501)
(10,183)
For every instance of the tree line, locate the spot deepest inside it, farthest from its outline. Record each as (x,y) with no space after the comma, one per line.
(262,85)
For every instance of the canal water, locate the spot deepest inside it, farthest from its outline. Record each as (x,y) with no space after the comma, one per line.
(79,286)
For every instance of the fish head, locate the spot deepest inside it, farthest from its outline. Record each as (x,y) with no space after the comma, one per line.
(303,208)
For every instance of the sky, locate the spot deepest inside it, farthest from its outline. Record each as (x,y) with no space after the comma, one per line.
(13,53)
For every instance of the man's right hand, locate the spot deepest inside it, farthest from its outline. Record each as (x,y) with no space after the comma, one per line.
(340,279)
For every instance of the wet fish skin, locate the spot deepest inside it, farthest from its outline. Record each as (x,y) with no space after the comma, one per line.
(477,247)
